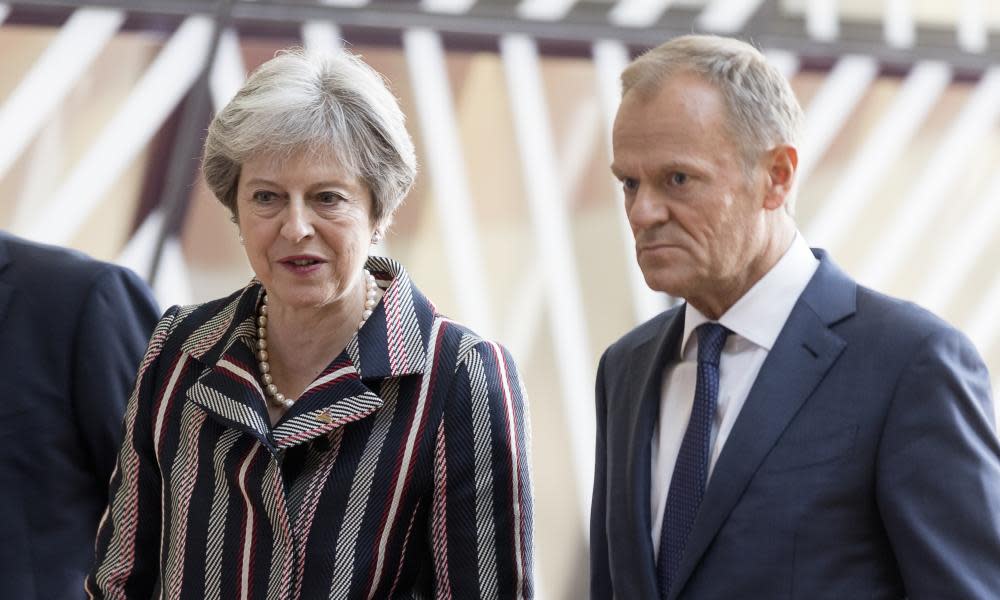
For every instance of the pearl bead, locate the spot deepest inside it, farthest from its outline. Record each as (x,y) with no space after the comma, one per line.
(275,397)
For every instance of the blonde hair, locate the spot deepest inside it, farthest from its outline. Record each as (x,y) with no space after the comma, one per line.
(763,109)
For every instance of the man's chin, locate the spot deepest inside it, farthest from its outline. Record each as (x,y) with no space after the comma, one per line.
(658,281)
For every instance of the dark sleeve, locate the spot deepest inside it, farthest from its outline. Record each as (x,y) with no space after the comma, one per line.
(600,570)
(938,485)
(128,538)
(481,518)
(118,315)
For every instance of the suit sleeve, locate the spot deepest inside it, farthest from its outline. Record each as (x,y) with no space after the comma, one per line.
(118,315)
(600,568)
(128,538)
(938,471)
(481,518)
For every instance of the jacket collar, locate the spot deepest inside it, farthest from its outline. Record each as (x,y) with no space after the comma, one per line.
(392,343)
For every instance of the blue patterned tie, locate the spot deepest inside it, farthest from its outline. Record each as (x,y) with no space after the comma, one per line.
(687,486)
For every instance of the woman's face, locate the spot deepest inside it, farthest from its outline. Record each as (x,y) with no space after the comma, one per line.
(307,224)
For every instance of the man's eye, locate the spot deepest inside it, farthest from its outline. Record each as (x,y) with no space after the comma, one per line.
(678,178)
(264,196)
(629,184)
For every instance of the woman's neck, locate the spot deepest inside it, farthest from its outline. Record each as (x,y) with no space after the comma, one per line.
(303,341)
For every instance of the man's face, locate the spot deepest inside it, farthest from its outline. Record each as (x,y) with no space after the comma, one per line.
(697,218)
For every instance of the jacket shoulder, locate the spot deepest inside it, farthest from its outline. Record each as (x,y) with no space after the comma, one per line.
(50,268)
(902,322)
(621,348)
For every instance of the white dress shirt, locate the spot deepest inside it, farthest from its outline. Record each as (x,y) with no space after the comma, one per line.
(755,320)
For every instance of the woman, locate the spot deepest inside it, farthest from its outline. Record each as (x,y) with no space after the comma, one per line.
(322,433)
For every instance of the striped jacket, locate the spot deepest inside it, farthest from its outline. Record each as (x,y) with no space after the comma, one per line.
(401,472)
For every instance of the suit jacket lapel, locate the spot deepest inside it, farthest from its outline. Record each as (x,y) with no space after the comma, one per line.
(392,343)
(645,379)
(803,353)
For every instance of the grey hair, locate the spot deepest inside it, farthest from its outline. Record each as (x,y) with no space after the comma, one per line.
(318,102)
(763,109)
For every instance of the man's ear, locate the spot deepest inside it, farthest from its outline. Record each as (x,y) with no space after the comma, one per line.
(782,161)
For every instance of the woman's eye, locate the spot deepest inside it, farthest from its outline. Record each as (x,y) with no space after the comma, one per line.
(264,196)
(329,198)
(678,178)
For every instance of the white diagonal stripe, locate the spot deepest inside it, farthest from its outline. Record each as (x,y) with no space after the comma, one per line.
(822,21)
(547,203)
(52,76)
(984,324)
(972,32)
(884,144)
(930,190)
(482,468)
(638,13)
(454,7)
(322,36)
(727,16)
(897,24)
(544,10)
(228,71)
(960,251)
(361,485)
(832,105)
(425,57)
(157,93)
(610,59)
(786,62)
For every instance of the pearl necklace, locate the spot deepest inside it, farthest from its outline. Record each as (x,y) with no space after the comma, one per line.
(276,398)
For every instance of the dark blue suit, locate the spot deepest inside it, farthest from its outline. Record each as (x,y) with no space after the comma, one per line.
(72,332)
(864,464)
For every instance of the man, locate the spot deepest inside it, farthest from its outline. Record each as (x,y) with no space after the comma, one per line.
(72,332)
(785,432)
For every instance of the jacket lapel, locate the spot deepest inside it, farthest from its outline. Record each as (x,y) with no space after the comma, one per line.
(228,388)
(645,380)
(392,343)
(802,355)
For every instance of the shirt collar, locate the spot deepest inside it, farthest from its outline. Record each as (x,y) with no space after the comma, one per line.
(760,314)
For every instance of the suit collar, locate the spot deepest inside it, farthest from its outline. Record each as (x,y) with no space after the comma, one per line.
(803,353)
(392,343)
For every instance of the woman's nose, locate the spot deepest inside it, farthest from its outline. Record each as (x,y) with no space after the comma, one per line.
(298,222)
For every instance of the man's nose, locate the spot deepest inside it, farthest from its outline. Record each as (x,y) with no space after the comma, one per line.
(645,209)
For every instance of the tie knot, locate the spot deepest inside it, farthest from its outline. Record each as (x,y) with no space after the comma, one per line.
(711,339)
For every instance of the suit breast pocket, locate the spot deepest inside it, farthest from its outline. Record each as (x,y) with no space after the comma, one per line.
(802,450)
